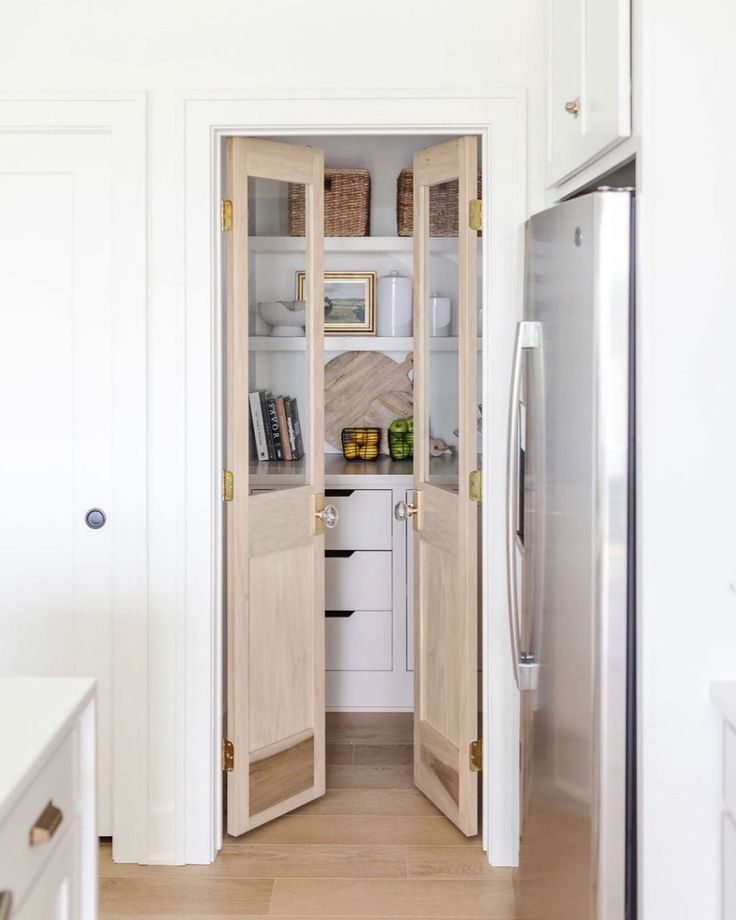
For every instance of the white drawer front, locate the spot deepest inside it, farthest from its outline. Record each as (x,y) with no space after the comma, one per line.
(359,642)
(19,861)
(359,581)
(729,768)
(365,519)
(53,895)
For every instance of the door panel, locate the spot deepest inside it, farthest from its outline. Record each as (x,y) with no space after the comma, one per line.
(445,538)
(275,544)
(57,355)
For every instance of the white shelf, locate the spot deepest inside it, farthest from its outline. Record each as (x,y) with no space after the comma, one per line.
(351,343)
(375,244)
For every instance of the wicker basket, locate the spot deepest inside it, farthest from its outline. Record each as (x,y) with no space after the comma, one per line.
(442,206)
(347,204)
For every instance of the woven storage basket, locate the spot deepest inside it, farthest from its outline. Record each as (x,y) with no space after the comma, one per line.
(442,206)
(347,204)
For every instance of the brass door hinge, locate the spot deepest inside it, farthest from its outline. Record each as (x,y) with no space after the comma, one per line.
(228,756)
(475,486)
(228,486)
(476,756)
(226,215)
(475,217)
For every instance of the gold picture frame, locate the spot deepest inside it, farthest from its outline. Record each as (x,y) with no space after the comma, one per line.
(350,302)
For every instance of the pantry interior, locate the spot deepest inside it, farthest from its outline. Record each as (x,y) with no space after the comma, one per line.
(301,646)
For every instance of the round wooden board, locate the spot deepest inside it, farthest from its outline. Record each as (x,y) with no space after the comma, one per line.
(364,388)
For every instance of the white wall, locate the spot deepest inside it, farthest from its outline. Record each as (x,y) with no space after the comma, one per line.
(687,448)
(164,47)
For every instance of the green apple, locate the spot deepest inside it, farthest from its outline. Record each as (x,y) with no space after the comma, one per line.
(410,423)
(399,426)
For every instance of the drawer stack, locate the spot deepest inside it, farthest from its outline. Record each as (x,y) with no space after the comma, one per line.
(358,582)
(26,843)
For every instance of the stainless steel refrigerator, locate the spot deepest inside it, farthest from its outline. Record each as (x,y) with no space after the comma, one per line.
(571,569)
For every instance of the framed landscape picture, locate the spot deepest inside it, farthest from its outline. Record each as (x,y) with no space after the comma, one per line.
(350,302)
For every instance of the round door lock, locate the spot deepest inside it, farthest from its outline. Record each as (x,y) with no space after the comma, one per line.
(95,518)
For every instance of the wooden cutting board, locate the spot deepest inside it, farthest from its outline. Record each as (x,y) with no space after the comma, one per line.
(365,388)
(385,409)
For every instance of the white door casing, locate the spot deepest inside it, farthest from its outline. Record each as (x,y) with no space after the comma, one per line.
(498,118)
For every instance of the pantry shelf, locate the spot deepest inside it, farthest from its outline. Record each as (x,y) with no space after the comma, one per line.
(368,244)
(351,343)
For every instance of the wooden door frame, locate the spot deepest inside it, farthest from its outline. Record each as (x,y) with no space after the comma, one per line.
(498,117)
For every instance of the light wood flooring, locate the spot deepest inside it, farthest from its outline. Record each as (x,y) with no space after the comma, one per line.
(372,847)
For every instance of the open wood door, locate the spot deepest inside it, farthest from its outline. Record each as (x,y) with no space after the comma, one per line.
(444,514)
(275,518)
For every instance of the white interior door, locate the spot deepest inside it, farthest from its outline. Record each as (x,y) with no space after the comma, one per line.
(275,538)
(445,517)
(56,417)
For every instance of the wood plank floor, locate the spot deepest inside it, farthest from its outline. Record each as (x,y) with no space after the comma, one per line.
(373,847)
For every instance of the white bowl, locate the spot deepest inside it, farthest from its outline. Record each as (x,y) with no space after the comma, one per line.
(285,317)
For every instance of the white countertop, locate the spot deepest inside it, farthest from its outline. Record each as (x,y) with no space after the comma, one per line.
(723,695)
(34,712)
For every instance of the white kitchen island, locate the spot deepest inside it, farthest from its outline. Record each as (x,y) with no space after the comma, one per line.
(48,841)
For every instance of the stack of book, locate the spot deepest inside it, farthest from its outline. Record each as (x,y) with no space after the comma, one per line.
(277,434)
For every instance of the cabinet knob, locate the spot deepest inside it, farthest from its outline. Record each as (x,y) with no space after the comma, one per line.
(329,516)
(402,511)
(573,107)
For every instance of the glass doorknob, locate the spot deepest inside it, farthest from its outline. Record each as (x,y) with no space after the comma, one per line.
(329,516)
(402,511)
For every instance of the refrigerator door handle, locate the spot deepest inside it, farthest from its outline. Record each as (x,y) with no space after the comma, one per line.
(528,335)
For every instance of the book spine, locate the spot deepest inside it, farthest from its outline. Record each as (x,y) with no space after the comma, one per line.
(283,430)
(297,430)
(290,427)
(264,395)
(273,421)
(259,429)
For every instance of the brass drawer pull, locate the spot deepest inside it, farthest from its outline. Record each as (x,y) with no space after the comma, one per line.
(6,902)
(47,824)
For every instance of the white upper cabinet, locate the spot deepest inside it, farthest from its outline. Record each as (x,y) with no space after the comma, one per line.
(589,59)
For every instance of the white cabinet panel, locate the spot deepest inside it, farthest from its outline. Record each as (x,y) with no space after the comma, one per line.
(729,768)
(589,59)
(358,581)
(359,640)
(365,519)
(728,868)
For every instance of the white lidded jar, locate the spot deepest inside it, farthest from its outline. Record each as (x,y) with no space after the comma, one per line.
(393,308)
(440,316)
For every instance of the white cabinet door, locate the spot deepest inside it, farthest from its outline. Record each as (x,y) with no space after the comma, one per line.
(589,58)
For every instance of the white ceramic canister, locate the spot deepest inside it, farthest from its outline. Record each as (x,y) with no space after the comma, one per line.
(440,316)
(394,296)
